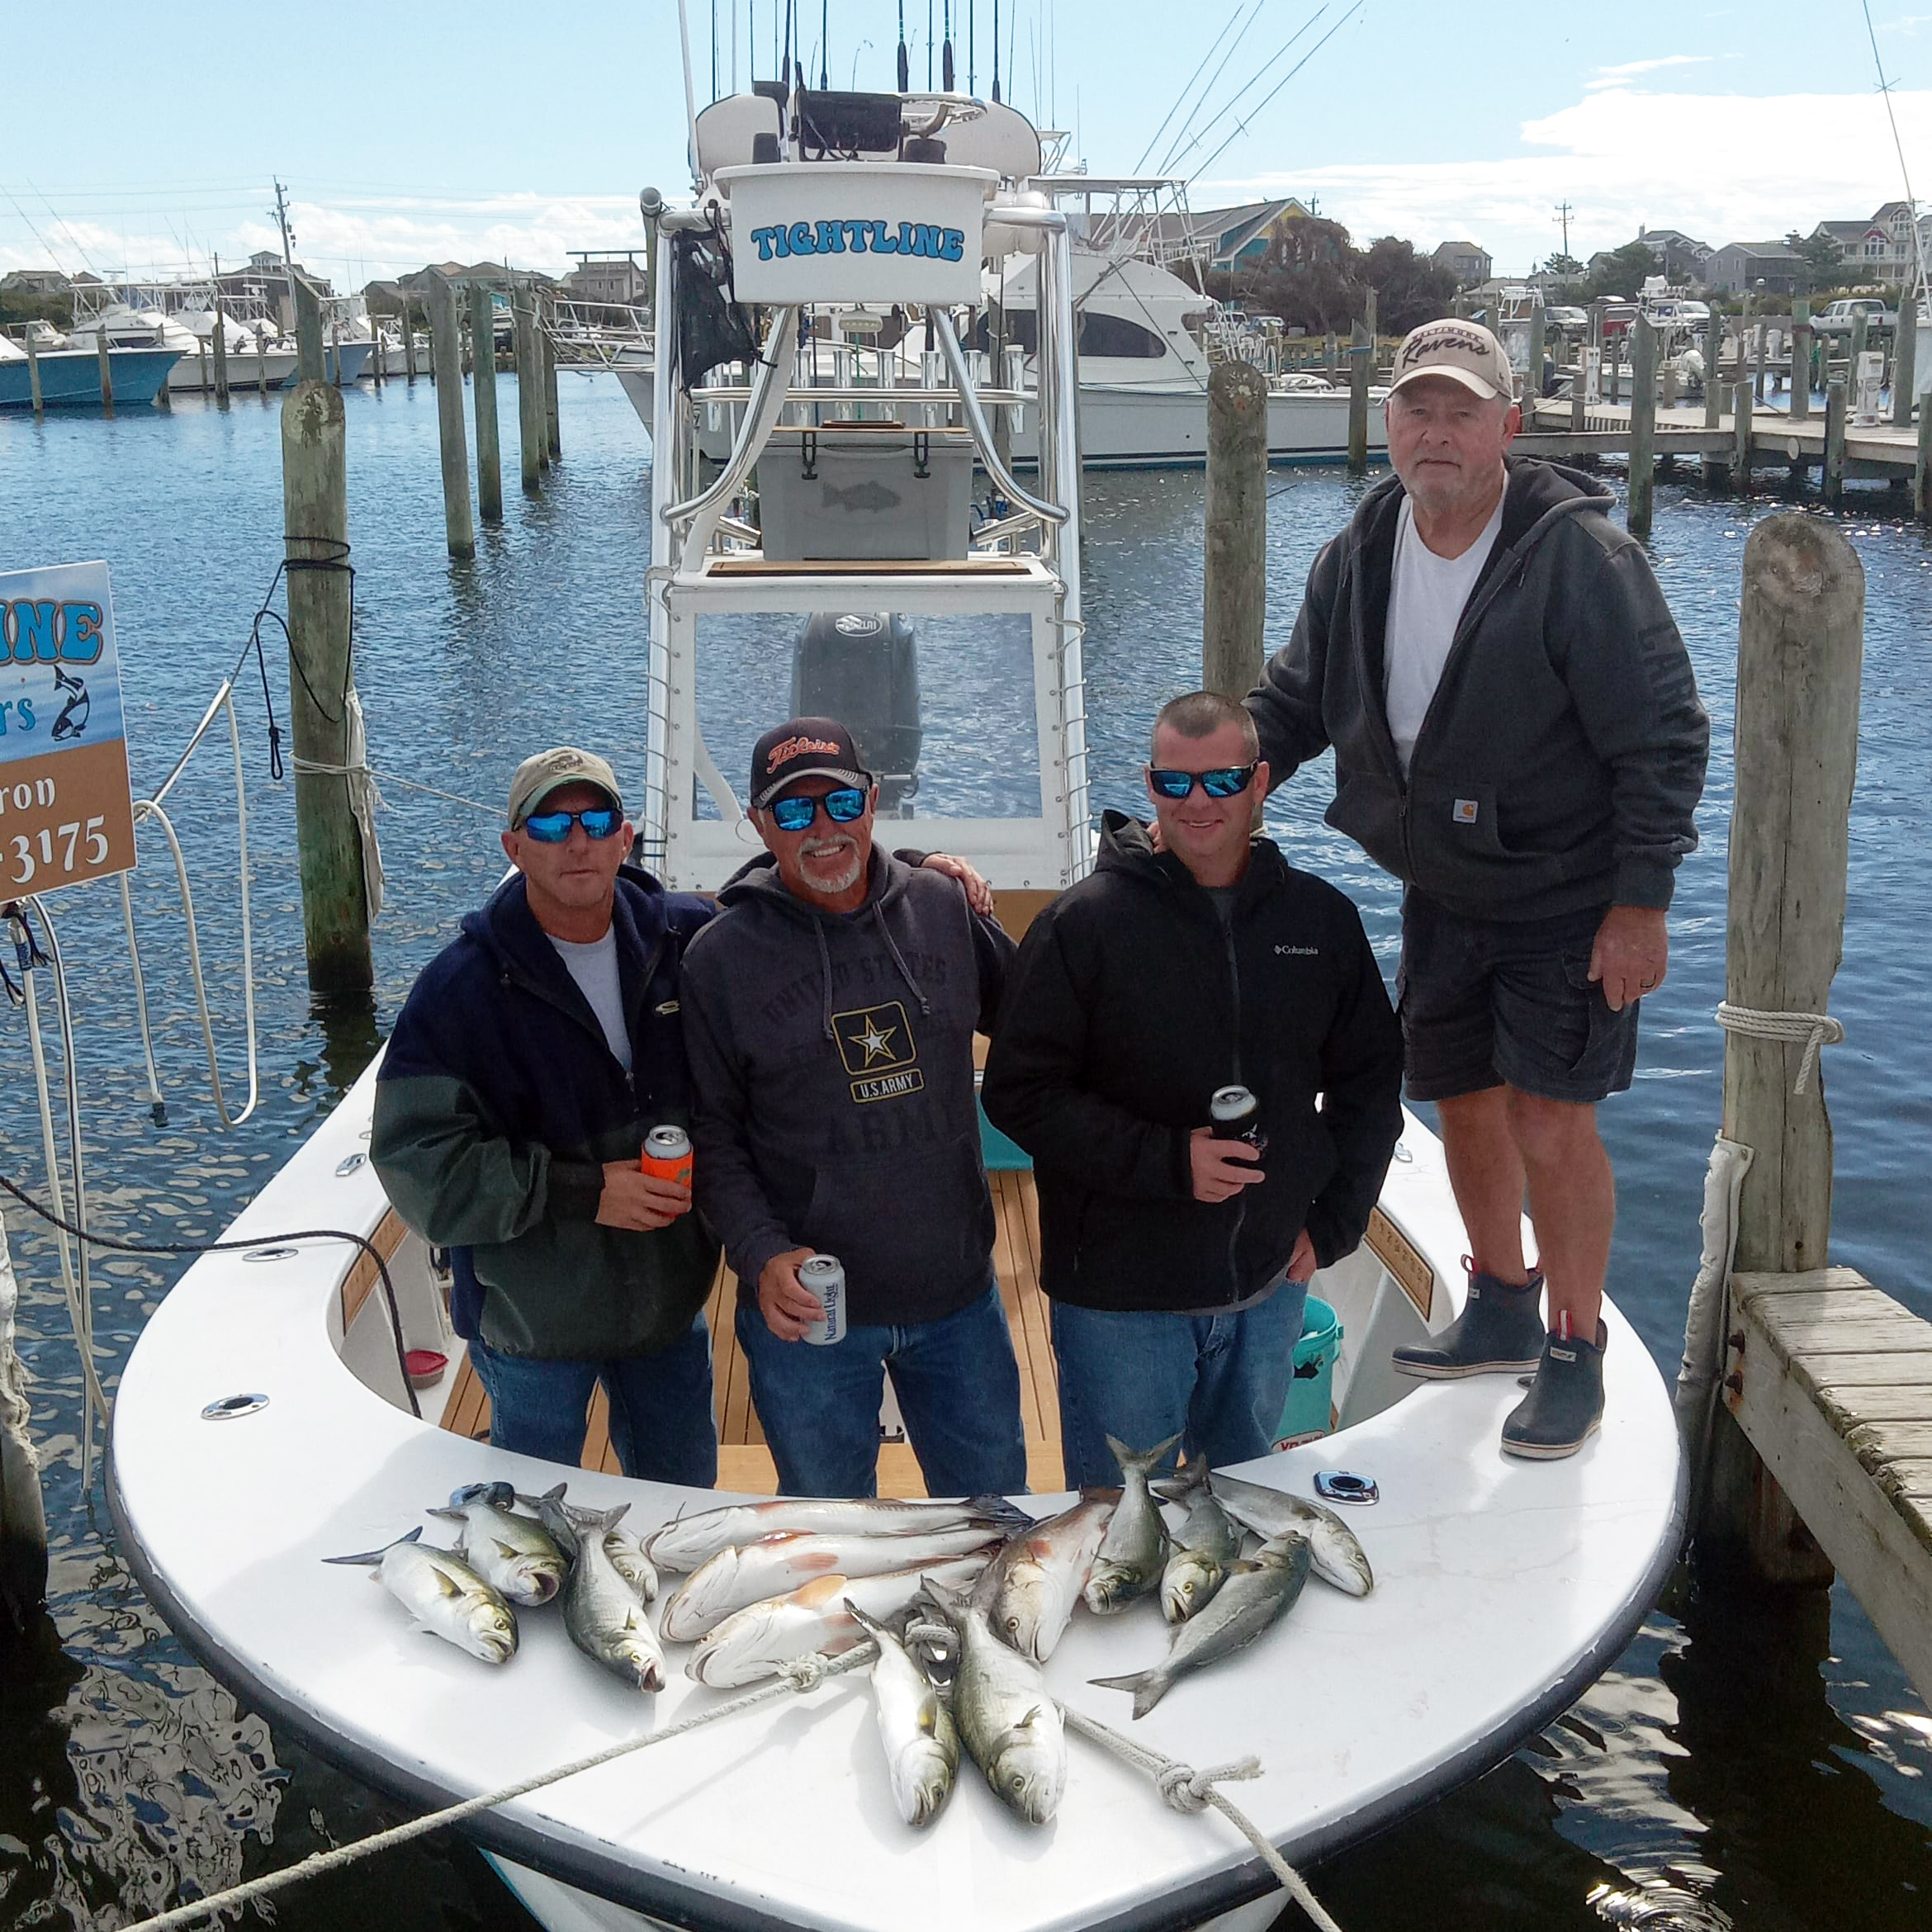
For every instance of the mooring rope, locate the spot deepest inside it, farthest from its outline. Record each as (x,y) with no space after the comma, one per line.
(1813,1030)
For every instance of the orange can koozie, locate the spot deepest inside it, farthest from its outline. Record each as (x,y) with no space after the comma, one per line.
(667,1155)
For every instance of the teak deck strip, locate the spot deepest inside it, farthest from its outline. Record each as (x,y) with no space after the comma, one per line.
(361,1279)
(745,1464)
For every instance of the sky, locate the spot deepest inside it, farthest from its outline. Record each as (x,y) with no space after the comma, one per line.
(439,131)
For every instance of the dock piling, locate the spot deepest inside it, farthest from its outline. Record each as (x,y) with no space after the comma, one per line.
(308,309)
(260,362)
(1643,427)
(1835,404)
(1905,369)
(409,336)
(1362,348)
(1234,589)
(1922,466)
(1532,388)
(314,495)
(1800,649)
(1757,362)
(552,428)
(444,351)
(1800,360)
(220,353)
(106,373)
(489,436)
(529,406)
(33,357)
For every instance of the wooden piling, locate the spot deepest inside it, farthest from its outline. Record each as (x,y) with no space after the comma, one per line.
(1741,425)
(220,353)
(1361,342)
(459,528)
(1922,466)
(1758,365)
(315,495)
(1904,364)
(552,428)
(1235,575)
(33,357)
(1579,388)
(308,307)
(201,364)
(106,372)
(1800,360)
(489,440)
(1643,427)
(1835,442)
(1800,651)
(1860,335)
(261,361)
(1532,388)
(529,409)
(409,336)
(1713,353)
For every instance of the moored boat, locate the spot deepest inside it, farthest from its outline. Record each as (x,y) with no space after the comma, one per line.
(70,378)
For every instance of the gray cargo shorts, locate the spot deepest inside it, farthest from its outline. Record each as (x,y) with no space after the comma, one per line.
(1490,1002)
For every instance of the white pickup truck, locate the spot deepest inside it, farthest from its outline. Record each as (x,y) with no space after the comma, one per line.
(1838,318)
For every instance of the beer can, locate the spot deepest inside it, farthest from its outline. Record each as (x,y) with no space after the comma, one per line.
(1235,1115)
(825,1276)
(667,1155)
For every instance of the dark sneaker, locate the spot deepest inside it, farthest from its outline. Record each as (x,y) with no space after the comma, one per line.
(1566,1402)
(1499,1333)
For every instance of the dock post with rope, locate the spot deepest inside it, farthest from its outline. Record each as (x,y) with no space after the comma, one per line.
(331,772)
(459,529)
(1235,576)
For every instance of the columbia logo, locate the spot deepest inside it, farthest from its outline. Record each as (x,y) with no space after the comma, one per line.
(1298,952)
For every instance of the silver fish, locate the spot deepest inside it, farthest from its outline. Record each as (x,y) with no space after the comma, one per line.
(921,1745)
(444,1596)
(757,1642)
(772,1566)
(551,1510)
(512,1552)
(1338,1558)
(605,1616)
(1254,1594)
(632,1564)
(1030,1587)
(1208,1541)
(687,1542)
(1007,1716)
(1134,1550)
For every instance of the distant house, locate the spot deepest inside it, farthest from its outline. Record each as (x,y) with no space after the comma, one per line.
(1217,237)
(492,275)
(1769,267)
(34,282)
(1878,249)
(1467,262)
(609,276)
(1681,257)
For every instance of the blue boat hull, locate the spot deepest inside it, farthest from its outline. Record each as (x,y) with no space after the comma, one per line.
(71,378)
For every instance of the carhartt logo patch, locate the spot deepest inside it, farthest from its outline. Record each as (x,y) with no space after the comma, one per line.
(1465,811)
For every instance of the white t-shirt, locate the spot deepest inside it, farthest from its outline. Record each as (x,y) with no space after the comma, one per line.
(1426,601)
(594,968)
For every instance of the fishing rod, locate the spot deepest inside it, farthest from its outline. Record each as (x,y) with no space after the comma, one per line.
(1176,153)
(905,65)
(1239,5)
(996,81)
(1282,83)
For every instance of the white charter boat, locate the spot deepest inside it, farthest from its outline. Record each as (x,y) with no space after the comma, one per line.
(266,1420)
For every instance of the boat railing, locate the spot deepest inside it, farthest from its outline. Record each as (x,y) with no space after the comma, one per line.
(604,334)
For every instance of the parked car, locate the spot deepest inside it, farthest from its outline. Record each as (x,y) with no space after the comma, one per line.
(1839,317)
(1567,317)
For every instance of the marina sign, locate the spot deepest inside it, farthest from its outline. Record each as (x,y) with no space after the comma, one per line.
(66,804)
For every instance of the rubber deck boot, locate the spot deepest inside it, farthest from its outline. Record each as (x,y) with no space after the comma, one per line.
(1499,1333)
(1566,1402)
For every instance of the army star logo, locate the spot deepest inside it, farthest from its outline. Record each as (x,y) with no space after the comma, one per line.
(877,1046)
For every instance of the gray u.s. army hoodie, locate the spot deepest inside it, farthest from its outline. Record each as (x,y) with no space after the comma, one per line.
(832,1057)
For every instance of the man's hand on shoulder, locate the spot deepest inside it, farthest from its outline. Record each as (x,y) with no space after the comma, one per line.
(1220,1168)
(788,1306)
(979,895)
(1631,951)
(639,1202)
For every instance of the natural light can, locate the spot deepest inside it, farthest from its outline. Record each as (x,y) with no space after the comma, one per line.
(667,1155)
(825,1276)
(1236,1115)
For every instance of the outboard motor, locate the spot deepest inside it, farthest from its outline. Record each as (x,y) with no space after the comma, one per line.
(863,668)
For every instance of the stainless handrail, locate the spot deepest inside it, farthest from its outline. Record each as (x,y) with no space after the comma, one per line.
(1002,478)
(769,389)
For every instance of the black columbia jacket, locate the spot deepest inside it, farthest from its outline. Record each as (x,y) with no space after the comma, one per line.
(1130,1004)
(1563,755)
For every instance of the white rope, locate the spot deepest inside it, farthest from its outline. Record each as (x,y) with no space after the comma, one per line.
(364,800)
(1813,1029)
(389,778)
(801,1677)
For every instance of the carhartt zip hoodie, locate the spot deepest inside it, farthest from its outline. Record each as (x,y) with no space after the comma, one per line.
(832,1059)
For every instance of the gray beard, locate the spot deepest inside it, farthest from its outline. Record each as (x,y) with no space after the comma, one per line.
(844,882)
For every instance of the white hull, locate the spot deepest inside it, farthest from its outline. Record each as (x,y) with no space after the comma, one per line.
(244,371)
(1122,428)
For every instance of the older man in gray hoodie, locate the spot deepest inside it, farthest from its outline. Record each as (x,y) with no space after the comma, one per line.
(829,1015)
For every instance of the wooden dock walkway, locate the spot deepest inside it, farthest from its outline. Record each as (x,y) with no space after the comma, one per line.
(745,1464)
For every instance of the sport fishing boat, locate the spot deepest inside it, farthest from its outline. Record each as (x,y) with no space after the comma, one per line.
(70,375)
(833,564)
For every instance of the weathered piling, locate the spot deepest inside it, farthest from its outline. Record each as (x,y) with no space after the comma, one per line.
(23,1516)
(459,528)
(529,407)
(1758,364)
(1533,364)
(1835,440)
(553,427)
(314,495)
(1800,360)
(308,307)
(1713,353)
(489,440)
(260,362)
(1904,367)
(106,373)
(1740,424)
(1643,427)
(1800,650)
(1922,466)
(1860,335)
(1360,366)
(1234,601)
(33,357)
(409,336)
(220,353)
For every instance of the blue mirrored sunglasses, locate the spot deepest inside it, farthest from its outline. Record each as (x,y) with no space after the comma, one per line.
(552,828)
(1225,781)
(841,806)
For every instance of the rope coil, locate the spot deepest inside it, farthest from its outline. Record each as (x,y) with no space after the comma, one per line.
(1812,1030)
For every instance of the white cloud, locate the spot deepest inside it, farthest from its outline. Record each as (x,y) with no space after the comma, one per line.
(1623,158)
(1615,77)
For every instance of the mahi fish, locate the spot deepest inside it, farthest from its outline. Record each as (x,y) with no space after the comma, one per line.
(771,1565)
(921,1745)
(510,1551)
(1007,1716)
(759,1640)
(444,1595)
(687,1542)
(1253,1595)
(1208,1541)
(1134,1550)
(1338,1559)
(604,1614)
(1030,1587)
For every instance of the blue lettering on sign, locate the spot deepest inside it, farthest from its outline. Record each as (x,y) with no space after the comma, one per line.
(776,243)
(45,633)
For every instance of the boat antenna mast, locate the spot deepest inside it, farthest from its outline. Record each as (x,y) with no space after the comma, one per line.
(946,51)
(996,81)
(287,234)
(905,60)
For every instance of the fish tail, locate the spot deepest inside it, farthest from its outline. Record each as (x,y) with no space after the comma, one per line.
(869,1624)
(454,1515)
(1007,1514)
(1148,1687)
(612,1517)
(377,1555)
(1131,1463)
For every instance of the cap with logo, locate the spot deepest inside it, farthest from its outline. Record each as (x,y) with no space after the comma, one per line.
(1464,352)
(802,748)
(564,764)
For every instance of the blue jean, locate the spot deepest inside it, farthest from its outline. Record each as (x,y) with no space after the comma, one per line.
(958,1386)
(661,1421)
(1219,1382)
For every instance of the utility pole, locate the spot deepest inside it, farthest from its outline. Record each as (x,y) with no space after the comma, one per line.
(287,238)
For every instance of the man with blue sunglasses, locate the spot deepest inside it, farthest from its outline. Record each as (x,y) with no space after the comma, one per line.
(533,1055)
(829,1013)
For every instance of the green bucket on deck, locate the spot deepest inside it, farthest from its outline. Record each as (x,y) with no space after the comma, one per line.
(1306,1413)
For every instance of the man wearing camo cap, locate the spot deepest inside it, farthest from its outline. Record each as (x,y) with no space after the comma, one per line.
(1518,738)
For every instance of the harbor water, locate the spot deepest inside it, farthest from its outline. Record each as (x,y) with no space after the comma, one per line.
(1760,1765)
